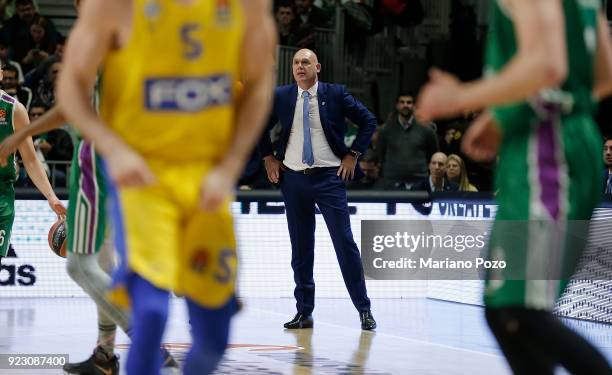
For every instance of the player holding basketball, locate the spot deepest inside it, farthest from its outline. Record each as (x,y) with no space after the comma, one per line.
(547,59)
(174,148)
(13,117)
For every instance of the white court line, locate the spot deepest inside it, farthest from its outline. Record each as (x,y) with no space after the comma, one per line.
(389,335)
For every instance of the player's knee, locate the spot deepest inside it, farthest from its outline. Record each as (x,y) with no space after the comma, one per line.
(152,315)
(73,268)
(203,359)
(503,321)
(106,257)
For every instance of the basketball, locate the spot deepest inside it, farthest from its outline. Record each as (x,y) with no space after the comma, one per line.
(57,238)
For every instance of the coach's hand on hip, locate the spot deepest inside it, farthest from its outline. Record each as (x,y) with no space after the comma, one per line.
(347,167)
(273,166)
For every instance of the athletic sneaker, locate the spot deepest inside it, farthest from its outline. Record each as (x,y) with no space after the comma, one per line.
(100,363)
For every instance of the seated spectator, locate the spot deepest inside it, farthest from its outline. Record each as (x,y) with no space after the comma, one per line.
(58,148)
(16,30)
(37,109)
(7,10)
(45,90)
(35,76)
(404,147)
(56,145)
(5,61)
(60,47)
(369,165)
(437,181)
(40,44)
(292,32)
(311,14)
(607,155)
(10,84)
(457,173)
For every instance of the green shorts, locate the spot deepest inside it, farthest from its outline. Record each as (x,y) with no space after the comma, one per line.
(87,201)
(549,182)
(7,215)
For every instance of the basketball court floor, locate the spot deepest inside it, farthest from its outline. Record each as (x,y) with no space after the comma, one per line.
(415,336)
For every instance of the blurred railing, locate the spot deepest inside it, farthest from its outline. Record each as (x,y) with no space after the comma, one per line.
(326,45)
(59,176)
(437,17)
(284,57)
(339,64)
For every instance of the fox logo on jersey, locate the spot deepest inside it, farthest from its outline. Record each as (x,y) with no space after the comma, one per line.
(187,94)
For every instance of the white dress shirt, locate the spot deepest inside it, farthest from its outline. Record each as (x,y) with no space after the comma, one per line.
(323,154)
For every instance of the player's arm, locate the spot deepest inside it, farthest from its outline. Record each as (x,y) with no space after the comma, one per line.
(33,166)
(252,111)
(603,60)
(90,40)
(258,80)
(540,62)
(52,119)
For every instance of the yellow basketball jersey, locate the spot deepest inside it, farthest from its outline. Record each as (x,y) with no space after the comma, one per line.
(169,91)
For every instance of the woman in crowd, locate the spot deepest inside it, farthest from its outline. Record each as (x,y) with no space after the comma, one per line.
(457,173)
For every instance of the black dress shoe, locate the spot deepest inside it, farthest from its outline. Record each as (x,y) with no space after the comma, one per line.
(300,321)
(367,320)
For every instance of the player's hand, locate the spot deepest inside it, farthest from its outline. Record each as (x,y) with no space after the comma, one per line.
(58,207)
(7,148)
(482,139)
(273,166)
(128,169)
(215,188)
(347,167)
(439,98)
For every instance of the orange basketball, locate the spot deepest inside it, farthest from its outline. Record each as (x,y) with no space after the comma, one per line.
(57,238)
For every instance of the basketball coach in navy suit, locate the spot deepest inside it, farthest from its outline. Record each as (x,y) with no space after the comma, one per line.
(312,164)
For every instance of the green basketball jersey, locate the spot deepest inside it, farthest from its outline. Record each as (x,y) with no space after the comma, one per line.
(575,93)
(7,110)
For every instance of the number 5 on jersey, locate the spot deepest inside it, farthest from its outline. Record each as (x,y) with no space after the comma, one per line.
(192,46)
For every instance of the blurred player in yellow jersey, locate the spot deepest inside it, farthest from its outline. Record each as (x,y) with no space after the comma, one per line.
(174,142)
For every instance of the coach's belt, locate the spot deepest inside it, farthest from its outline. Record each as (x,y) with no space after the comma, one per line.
(314,170)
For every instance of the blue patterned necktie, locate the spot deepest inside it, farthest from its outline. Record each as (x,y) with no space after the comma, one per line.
(307,156)
(609,184)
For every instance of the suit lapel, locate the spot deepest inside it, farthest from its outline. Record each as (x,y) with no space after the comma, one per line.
(292,98)
(322,99)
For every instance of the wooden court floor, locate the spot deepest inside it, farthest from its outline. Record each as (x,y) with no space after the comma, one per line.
(415,336)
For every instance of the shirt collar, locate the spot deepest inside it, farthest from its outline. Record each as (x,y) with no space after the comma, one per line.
(406,124)
(432,186)
(312,91)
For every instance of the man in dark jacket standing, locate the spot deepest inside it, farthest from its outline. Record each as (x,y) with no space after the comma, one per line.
(312,164)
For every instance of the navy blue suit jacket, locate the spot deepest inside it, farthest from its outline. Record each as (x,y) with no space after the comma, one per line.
(335,103)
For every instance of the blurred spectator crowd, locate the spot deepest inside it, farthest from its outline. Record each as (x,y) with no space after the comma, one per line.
(31,51)
(404,154)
